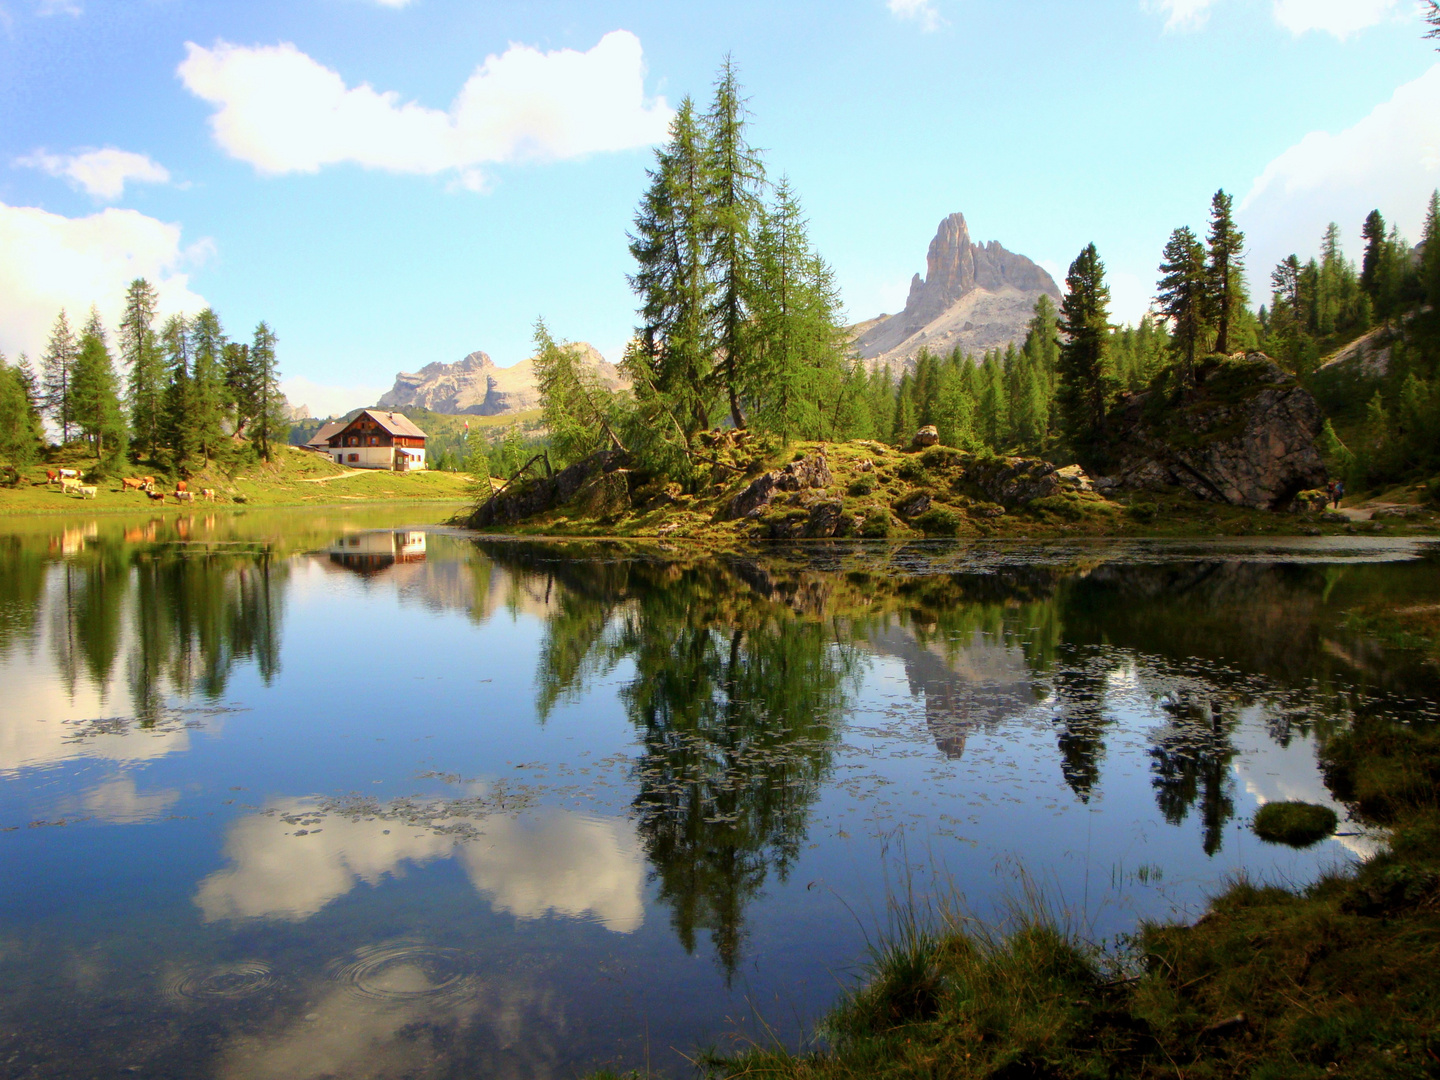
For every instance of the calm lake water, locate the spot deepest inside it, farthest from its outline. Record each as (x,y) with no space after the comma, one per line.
(290,795)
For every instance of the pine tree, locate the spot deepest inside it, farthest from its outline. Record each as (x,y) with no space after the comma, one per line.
(1086,383)
(1225,271)
(207,348)
(57,367)
(1183,296)
(21,436)
(271,427)
(957,402)
(902,426)
(1430,264)
(672,362)
(734,174)
(178,418)
(1373,264)
(140,355)
(239,391)
(95,393)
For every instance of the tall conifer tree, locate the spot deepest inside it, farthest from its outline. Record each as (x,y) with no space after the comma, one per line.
(95,393)
(144,367)
(1225,271)
(1087,385)
(207,346)
(57,367)
(1182,298)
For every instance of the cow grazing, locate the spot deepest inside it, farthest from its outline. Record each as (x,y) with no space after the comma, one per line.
(133,483)
(157,496)
(69,474)
(207,494)
(68,484)
(180,485)
(51,476)
(184,496)
(87,491)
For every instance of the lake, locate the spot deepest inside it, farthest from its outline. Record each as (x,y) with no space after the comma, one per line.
(350,793)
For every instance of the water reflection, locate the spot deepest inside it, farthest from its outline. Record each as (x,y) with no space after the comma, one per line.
(294,858)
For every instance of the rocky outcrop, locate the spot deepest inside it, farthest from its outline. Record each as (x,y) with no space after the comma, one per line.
(1246,435)
(1018,481)
(807,473)
(975,296)
(477,386)
(595,486)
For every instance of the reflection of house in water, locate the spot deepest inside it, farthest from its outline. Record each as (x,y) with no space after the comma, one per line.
(967,685)
(372,552)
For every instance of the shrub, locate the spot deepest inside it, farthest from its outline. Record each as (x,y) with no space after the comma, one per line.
(1298,824)
(862,487)
(940,457)
(939,521)
(1142,511)
(914,471)
(877,525)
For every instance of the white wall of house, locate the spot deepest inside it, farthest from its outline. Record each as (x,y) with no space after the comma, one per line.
(364,457)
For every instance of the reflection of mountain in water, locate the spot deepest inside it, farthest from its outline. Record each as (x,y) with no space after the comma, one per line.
(968,685)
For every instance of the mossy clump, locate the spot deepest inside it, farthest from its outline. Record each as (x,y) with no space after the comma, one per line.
(1142,512)
(1298,824)
(914,471)
(862,487)
(941,457)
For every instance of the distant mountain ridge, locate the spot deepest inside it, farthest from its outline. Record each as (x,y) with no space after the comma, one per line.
(975,296)
(477,386)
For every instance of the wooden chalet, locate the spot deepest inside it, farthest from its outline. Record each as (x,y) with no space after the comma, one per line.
(375,439)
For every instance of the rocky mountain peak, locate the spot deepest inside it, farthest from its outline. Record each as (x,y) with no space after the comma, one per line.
(477,385)
(976,296)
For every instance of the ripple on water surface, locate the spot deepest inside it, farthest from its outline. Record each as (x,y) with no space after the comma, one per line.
(405,971)
(227,982)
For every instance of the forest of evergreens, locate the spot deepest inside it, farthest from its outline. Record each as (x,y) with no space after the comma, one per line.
(182,397)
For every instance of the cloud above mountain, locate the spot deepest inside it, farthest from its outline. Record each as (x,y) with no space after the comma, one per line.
(284,112)
(1389,160)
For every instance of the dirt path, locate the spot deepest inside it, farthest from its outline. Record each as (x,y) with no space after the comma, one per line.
(1367,511)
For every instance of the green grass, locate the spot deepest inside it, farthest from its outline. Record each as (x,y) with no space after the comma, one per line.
(294,478)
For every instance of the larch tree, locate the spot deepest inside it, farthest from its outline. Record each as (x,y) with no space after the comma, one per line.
(144,366)
(22,436)
(1225,270)
(57,367)
(270,423)
(1086,384)
(1372,264)
(177,426)
(671,362)
(734,173)
(578,409)
(207,347)
(1182,293)
(95,393)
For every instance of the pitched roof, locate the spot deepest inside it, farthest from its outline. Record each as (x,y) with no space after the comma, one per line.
(393,422)
(322,437)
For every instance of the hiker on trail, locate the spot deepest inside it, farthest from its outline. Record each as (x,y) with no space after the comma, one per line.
(1338,493)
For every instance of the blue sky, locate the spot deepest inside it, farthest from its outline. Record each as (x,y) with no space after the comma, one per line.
(395,183)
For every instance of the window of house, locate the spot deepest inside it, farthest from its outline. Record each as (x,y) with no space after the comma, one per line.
(354,457)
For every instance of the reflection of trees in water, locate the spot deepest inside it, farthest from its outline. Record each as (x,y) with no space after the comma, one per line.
(193,614)
(1190,760)
(737,698)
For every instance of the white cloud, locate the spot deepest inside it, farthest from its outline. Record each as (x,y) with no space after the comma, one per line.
(101,173)
(1338,17)
(284,112)
(1184,14)
(549,861)
(48,262)
(923,12)
(1390,160)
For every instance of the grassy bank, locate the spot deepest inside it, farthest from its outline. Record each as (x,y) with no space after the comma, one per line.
(1341,979)
(294,478)
(874,491)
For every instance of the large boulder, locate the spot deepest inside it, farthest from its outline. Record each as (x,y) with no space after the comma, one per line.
(589,479)
(1015,481)
(807,473)
(1246,435)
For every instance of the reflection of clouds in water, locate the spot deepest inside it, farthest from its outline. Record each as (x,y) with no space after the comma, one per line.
(34,732)
(549,861)
(1274,773)
(117,801)
(369,1039)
